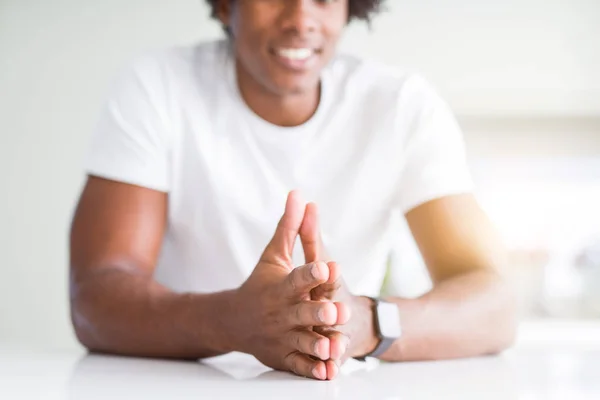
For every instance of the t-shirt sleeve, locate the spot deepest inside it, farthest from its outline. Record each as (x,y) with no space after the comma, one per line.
(434,158)
(130,143)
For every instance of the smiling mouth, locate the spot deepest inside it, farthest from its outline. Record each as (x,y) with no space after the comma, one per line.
(296,58)
(295,53)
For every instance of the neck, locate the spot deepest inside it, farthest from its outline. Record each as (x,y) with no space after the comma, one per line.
(283,110)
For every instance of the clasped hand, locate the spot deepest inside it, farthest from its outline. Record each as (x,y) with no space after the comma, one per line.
(299,319)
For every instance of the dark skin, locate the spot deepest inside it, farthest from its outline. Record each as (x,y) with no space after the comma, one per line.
(279,314)
(278,93)
(118,307)
(470,311)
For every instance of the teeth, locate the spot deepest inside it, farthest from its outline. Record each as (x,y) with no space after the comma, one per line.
(295,54)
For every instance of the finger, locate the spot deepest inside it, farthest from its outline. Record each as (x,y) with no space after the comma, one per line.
(282,243)
(338,344)
(313,313)
(303,279)
(335,273)
(329,289)
(332,369)
(343,313)
(310,234)
(303,365)
(310,342)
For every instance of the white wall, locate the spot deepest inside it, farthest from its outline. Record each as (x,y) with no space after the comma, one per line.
(56,57)
(497,56)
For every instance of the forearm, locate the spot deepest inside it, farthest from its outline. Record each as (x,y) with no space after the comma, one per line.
(130,314)
(468,315)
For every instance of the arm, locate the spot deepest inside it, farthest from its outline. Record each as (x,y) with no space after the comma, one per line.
(116,305)
(471,310)
(116,237)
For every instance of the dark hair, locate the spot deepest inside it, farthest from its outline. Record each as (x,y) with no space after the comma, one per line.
(357,9)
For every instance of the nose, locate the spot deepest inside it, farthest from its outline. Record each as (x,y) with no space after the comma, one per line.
(299,16)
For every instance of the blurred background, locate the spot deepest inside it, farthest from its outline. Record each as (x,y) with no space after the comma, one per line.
(523,77)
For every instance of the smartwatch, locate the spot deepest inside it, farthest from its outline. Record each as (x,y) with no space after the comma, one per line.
(387,326)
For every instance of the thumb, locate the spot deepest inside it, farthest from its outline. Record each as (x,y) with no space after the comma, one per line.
(282,244)
(310,235)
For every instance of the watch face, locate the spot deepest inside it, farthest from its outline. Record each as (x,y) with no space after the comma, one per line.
(388,318)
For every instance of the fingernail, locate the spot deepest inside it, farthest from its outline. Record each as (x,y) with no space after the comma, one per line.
(314,270)
(317,373)
(335,369)
(321,314)
(316,349)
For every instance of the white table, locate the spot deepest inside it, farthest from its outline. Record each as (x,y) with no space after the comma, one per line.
(552,360)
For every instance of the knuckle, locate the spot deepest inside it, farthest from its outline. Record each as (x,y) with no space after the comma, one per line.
(292,279)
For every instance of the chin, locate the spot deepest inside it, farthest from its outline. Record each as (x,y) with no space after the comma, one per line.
(295,87)
(294,90)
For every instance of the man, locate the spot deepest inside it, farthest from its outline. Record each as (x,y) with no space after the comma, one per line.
(172,246)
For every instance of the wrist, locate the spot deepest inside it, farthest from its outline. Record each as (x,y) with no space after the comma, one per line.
(224,313)
(202,322)
(234,331)
(367,335)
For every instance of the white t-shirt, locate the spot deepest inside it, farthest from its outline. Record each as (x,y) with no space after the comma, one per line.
(380,143)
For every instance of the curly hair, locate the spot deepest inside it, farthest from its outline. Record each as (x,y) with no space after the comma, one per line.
(357,9)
